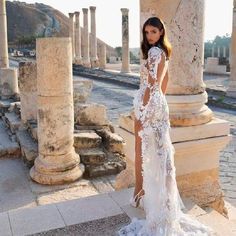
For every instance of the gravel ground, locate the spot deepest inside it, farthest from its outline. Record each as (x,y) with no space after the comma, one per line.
(102,227)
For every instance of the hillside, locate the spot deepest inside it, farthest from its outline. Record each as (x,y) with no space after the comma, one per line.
(38,19)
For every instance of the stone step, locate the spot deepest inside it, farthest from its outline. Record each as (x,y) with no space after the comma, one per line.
(33,129)
(16,108)
(29,148)
(86,139)
(107,168)
(219,223)
(92,156)
(8,148)
(112,141)
(12,121)
(4,106)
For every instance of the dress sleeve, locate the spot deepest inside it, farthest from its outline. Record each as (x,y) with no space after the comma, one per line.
(153,61)
(154,58)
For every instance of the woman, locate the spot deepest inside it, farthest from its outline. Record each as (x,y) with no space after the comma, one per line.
(156,189)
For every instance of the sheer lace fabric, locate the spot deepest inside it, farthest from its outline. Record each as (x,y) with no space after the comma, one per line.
(162,202)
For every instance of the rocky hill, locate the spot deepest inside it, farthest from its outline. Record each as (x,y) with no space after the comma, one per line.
(34,19)
(38,19)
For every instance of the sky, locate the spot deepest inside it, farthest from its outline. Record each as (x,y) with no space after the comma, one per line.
(218,17)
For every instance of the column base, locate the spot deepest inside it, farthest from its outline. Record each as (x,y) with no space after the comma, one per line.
(78,61)
(102,66)
(231,91)
(94,62)
(125,71)
(8,83)
(188,110)
(55,178)
(54,170)
(86,63)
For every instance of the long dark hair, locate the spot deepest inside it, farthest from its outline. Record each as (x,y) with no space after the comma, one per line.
(163,42)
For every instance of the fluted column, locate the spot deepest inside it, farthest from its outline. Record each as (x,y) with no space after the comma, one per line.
(86,57)
(78,58)
(4,62)
(72,34)
(102,58)
(93,45)
(57,161)
(231,91)
(125,41)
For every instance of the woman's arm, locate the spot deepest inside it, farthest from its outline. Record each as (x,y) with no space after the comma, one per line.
(164,83)
(152,81)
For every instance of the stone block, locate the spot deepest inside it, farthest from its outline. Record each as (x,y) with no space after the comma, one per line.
(102,170)
(7,147)
(29,148)
(28,90)
(15,107)
(12,121)
(82,90)
(112,141)
(86,139)
(8,82)
(91,114)
(33,128)
(92,156)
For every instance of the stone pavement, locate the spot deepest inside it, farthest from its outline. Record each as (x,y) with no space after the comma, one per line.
(100,215)
(18,191)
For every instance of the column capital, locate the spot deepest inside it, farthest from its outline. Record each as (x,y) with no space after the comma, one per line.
(85,10)
(124,11)
(71,15)
(77,13)
(92,8)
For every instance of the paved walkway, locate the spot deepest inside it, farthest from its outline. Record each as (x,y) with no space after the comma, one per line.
(100,215)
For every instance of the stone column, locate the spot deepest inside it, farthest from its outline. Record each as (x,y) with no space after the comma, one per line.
(72,34)
(8,76)
(224,51)
(186,87)
(102,58)
(57,162)
(93,45)
(78,58)
(218,52)
(231,91)
(213,51)
(4,62)
(125,41)
(28,90)
(86,57)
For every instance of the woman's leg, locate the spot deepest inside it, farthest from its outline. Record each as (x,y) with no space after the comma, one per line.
(138,159)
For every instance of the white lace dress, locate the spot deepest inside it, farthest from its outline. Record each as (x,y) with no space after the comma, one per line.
(162,203)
